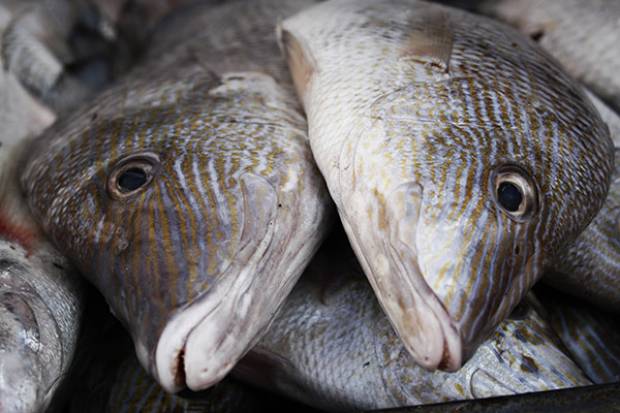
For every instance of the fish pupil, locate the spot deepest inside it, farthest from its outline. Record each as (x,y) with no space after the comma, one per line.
(509,196)
(131,179)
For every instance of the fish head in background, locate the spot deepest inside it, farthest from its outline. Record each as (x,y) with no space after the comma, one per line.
(460,156)
(194,219)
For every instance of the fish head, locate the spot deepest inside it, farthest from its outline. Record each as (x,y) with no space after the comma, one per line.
(31,343)
(460,165)
(471,225)
(171,212)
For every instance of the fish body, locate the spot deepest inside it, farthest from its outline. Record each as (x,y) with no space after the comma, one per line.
(40,316)
(187,193)
(582,36)
(460,156)
(591,336)
(332,347)
(589,267)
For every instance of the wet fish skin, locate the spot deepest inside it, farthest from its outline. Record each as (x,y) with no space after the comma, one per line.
(332,347)
(416,112)
(196,262)
(591,336)
(589,268)
(581,35)
(40,305)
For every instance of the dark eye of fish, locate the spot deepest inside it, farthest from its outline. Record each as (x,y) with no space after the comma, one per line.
(509,196)
(132,179)
(514,192)
(132,174)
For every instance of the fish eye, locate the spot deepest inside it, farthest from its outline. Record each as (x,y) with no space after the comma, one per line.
(132,175)
(514,192)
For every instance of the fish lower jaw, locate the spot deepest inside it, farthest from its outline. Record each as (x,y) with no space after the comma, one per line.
(439,347)
(192,350)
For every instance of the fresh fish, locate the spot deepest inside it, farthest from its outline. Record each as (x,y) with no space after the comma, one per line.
(188,193)
(332,347)
(590,266)
(582,35)
(460,156)
(39,322)
(591,336)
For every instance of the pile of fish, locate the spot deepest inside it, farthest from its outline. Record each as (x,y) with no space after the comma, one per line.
(338,205)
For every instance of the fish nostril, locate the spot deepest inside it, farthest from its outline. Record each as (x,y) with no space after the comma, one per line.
(537,35)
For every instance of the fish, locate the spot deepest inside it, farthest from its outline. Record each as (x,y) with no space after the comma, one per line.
(460,156)
(40,318)
(187,193)
(591,336)
(581,36)
(332,347)
(589,268)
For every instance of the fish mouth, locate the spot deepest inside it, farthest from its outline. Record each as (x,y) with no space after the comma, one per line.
(202,343)
(428,331)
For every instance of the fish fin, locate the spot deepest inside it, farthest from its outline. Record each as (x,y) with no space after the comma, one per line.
(260,203)
(430,41)
(302,65)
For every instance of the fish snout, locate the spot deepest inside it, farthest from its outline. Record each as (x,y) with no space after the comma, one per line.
(447,281)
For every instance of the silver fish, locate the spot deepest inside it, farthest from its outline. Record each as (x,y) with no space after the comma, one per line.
(332,347)
(188,193)
(460,156)
(40,314)
(591,336)
(590,267)
(582,35)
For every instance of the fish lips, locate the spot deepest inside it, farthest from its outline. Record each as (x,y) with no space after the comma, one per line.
(444,283)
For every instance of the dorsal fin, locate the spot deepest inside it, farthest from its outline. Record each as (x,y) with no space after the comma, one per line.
(430,41)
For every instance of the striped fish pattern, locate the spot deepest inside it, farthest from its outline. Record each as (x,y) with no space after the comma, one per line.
(592,337)
(460,156)
(187,193)
(310,354)
(590,267)
(582,36)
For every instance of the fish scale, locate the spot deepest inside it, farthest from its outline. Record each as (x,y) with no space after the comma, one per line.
(590,267)
(195,263)
(413,110)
